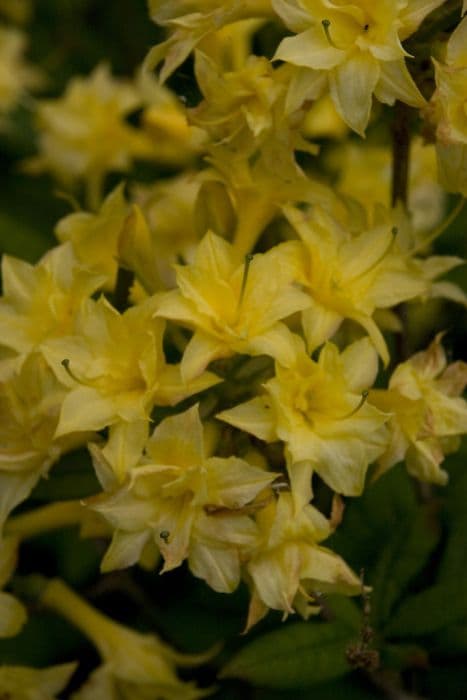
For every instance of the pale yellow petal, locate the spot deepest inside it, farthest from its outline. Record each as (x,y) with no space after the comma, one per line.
(396,83)
(12,615)
(124,550)
(352,85)
(178,440)
(255,417)
(200,351)
(218,566)
(310,49)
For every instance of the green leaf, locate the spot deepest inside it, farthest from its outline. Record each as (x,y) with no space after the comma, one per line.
(402,558)
(403,656)
(295,656)
(372,519)
(349,688)
(437,607)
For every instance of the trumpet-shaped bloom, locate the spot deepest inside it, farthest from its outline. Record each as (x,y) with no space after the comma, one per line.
(190,26)
(350,276)
(364,173)
(135,665)
(30,403)
(428,413)
(24,683)
(95,236)
(450,112)
(233,307)
(353,50)
(238,105)
(115,368)
(16,76)
(192,505)
(289,564)
(318,411)
(84,135)
(41,301)
(12,612)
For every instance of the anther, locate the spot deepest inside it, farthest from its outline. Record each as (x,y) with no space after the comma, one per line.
(326,24)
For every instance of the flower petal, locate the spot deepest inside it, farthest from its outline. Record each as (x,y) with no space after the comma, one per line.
(352,85)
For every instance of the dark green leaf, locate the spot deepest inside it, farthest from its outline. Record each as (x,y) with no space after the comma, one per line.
(403,656)
(437,607)
(402,558)
(296,656)
(372,519)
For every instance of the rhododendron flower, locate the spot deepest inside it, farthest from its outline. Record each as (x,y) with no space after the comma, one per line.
(349,276)
(289,564)
(135,665)
(41,301)
(30,403)
(16,76)
(190,26)
(428,413)
(232,307)
(450,113)
(24,683)
(12,612)
(115,368)
(84,135)
(352,49)
(318,411)
(192,505)
(95,236)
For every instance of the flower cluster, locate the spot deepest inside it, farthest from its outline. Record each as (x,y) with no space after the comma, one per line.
(223,340)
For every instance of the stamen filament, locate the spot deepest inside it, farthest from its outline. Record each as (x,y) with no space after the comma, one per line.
(326,24)
(66,365)
(358,407)
(246,269)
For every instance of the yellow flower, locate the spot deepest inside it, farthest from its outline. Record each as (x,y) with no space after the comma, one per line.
(16,76)
(233,308)
(350,276)
(191,505)
(450,112)
(190,26)
(238,105)
(135,665)
(115,368)
(94,237)
(424,396)
(260,186)
(318,410)
(41,301)
(30,404)
(164,119)
(289,565)
(353,50)
(84,135)
(364,173)
(12,612)
(24,683)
